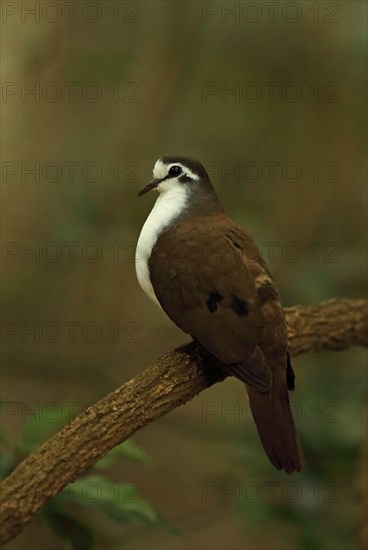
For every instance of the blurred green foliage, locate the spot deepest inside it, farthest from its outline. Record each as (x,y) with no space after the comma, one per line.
(162,57)
(121,502)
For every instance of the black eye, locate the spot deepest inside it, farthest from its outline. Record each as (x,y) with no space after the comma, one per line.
(175,170)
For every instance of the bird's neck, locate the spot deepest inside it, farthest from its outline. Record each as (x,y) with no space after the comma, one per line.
(179,204)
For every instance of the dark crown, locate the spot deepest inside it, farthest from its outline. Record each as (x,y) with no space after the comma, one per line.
(194,165)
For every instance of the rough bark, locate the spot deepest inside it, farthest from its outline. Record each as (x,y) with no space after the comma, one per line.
(175,379)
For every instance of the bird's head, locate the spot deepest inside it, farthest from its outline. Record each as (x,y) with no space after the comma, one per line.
(177,174)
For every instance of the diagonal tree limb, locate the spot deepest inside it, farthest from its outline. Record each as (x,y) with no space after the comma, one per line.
(175,379)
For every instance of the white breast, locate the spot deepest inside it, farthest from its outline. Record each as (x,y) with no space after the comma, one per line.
(168,206)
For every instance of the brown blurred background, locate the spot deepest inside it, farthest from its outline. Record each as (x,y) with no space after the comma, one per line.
(272,101)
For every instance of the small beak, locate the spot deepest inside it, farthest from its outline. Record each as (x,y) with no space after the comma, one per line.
(152,185)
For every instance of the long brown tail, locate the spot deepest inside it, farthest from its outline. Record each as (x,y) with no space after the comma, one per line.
(275,424)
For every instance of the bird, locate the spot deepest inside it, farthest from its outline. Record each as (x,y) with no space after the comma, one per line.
(208,275)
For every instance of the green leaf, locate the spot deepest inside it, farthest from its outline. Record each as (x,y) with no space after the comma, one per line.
(120,501)
(68,527)
(128,449)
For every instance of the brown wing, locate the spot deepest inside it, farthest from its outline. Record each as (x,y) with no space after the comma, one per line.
(211,280)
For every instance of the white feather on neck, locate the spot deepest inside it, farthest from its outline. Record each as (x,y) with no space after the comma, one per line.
(171,202)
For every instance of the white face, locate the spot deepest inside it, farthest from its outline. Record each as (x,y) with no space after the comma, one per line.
(162,170)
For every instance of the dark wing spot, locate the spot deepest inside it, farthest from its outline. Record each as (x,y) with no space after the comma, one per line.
(213,299)
(290,376)
(267,292)
(239,306)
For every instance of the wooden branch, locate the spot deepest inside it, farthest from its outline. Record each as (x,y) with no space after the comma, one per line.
(176,378)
